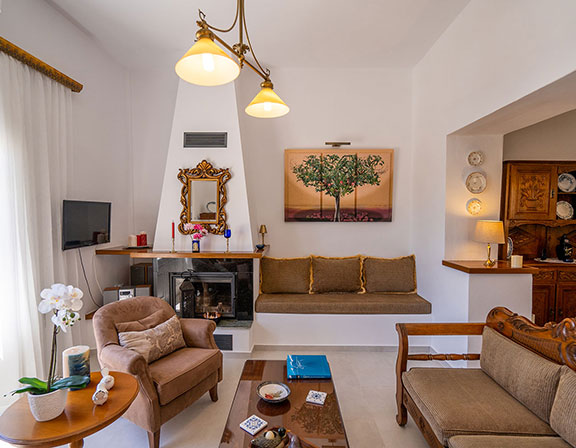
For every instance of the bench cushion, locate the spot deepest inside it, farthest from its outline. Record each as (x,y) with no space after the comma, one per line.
(336,274)
(468,401)
(342,304)
(563,416)
(390,274)
(529,378)
(506,442)
(284,275)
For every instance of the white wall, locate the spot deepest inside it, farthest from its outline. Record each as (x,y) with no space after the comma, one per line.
(100,161)
(552,139)
(370,108)
(205,109)
(493,54)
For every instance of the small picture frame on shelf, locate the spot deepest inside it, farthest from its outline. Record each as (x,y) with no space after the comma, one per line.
(195,246)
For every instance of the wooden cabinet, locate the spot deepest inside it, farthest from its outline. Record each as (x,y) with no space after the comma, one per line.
(553,294)
(531,192)
(543,303)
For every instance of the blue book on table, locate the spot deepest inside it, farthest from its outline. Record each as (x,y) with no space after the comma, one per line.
(307,366)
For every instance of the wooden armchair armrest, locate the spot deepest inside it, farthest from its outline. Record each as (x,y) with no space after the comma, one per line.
(199,333)
(428,329)
(119,358)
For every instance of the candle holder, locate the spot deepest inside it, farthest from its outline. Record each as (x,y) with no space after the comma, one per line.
(173,250)
(227,235)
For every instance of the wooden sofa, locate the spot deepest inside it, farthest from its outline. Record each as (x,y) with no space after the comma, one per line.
(349,285)
(522,396)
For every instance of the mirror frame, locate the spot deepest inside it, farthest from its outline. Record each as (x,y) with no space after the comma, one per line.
(204,171)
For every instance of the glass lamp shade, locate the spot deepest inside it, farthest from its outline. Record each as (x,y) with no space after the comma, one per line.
(206,64)
(489,232)
(267,104)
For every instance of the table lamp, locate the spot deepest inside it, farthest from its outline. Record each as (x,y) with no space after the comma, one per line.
(489,232)
(263,231)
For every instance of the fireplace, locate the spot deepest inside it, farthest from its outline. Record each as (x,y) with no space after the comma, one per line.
(207,288)
(209,295)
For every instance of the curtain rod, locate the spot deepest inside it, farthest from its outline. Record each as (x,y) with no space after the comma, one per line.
(26,58)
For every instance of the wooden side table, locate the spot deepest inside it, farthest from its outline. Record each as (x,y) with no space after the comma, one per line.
(80,419)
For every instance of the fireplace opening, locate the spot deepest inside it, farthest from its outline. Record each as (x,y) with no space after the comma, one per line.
(208,295)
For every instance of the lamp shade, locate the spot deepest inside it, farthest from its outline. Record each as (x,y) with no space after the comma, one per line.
(489,232)
(206,64)
(267,104)
(263,229)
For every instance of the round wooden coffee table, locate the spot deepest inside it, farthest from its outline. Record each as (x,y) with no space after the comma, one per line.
(80,419)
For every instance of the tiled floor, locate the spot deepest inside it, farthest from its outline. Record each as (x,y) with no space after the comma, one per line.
(364,382)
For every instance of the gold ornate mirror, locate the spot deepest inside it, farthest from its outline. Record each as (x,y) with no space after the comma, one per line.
(203,197)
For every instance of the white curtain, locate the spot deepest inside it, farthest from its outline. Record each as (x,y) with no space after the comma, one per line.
(35,137)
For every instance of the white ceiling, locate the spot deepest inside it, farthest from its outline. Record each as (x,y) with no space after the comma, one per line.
(285,33)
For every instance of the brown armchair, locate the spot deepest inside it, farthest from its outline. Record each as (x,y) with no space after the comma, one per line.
(170,384)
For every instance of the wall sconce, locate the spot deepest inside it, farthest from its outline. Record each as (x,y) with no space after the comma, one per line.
(474,206)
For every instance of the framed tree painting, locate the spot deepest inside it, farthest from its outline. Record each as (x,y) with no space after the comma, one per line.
(338,185)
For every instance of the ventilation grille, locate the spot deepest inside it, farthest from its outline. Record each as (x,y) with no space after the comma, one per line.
(205,139)
(224,341)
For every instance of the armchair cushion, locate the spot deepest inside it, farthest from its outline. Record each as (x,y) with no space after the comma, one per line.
(154,319)
(564,407)
(182,370)
(155,342)
(468,401)
(528,377)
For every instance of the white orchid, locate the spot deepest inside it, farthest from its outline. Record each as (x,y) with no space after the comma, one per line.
(64,301)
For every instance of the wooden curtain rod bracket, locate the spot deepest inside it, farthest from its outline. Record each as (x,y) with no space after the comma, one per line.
(32,61)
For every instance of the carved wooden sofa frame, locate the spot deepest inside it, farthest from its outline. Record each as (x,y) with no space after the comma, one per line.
(556,342)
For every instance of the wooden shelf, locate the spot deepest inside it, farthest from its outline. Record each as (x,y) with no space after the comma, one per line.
(149,253)
(477,267)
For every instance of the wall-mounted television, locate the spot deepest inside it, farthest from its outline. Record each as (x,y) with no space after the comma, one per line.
(85,223)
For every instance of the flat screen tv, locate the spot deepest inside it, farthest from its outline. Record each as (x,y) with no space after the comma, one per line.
(85,223)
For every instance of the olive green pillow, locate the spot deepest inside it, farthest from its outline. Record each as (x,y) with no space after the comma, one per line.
(336,274)
(391,275)
(284,275)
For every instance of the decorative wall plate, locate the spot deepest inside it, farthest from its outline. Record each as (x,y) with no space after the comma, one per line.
(564,210)
(474,206)
(567,182)
(476,158)
(476,182)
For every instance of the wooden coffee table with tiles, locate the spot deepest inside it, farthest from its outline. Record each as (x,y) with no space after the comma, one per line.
(316,426)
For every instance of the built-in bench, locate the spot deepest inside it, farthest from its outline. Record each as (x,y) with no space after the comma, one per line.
(351,285)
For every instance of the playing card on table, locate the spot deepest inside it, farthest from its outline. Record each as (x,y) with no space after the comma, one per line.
(316,397)
(253,424)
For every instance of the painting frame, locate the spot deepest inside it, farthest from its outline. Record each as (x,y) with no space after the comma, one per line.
(338,185)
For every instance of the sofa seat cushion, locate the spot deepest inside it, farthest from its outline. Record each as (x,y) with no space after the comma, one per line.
(506,442)
(528,377)
(563,416)
(342,303)
(182,370)
(284,275)
(468,401)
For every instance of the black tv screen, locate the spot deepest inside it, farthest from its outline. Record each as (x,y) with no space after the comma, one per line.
(85,224)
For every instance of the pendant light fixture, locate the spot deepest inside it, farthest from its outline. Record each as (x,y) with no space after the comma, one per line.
(206,64)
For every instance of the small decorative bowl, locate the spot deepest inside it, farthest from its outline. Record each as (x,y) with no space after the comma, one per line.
(273,392)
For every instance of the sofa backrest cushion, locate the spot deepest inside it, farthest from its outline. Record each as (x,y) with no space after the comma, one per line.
(393,275)
(284,275)
(563,415)
(528,377)
(336,274)
(155,342)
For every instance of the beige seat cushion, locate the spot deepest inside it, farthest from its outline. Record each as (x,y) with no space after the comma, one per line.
(529,378)
(390,274)
(563,415)
(468,401)
(506,442)
(336,274)
(155,342)
(285,275)
(182,370)
(342,303)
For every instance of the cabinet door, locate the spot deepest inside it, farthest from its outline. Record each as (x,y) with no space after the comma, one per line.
(532,192)
(566,300)
(543,303)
